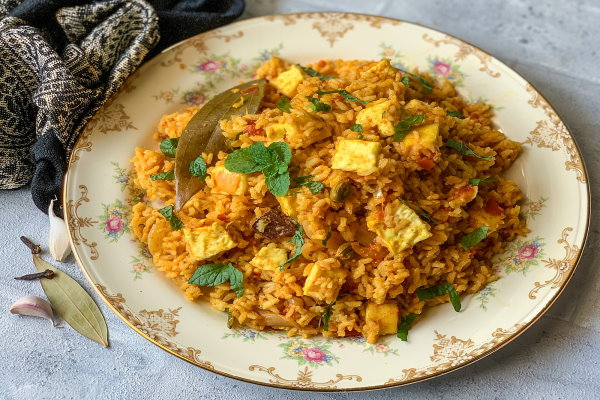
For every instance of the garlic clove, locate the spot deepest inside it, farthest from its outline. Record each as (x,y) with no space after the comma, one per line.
(33,306)
(60,248)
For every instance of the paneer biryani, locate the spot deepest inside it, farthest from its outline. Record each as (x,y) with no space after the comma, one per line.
(355,197)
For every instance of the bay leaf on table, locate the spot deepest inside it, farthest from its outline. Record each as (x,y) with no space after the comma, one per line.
(73,304)
(203,133)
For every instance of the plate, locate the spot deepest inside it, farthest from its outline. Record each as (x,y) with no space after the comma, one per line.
(534,269)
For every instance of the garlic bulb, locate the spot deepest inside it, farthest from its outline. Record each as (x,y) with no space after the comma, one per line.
(59,238)
(33,306)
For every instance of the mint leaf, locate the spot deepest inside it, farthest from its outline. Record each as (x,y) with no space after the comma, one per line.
(298,240)
(284,153)
(169,213)
(278,184)
(214,274)
(356,128)
(455,114)
(324,241)
(427,86)
(426,217)
(241,161)
(313,73)
(344,93)
(404,326)
(198,168)
(169,147)
(405,81)
(284,105)
(324,319)
(314,186)
(473,238)
(163,176)
(403,127)
(139,197)
(440,290)
(261,155)
(477,181)
(317,105)
(272,161)
(463,149)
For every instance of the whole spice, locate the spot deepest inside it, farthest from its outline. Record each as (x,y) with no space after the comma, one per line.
(58,238)
(345,251)
(73,304)
(340,191)
(48,274)
(33,306)
(35,249)
(203,134)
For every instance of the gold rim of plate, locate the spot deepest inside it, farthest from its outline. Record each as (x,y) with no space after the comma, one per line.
(308,385)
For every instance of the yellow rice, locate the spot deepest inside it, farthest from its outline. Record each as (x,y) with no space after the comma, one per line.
(375,275)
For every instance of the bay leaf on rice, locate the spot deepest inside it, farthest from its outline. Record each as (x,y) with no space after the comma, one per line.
(203,134)
(73,304)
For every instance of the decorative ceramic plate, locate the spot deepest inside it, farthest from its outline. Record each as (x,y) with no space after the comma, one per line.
(534,270)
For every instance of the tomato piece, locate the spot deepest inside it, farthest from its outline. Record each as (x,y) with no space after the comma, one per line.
(252,130)
(493,208)
(426,163)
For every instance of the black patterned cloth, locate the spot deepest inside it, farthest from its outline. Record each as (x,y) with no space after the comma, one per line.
(60,60)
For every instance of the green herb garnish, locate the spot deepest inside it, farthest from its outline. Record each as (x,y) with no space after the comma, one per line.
(313,73)
(427,86)
(344,93)
(214,274)
(357,128)
(406,80)
(440,290)
(169,147)
(464,149)
(273,161)
(298,240)
(403,127)
(477,181)
(324,319)
(139,197)
(314,186)
(284,105)
(198,168)
(426,217)
(169,213)
(318,105)
(455,114)
(404,326)
(327,237)
(471,239)
(163,176)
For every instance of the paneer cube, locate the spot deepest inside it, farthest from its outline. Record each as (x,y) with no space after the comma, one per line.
(299,129)
(375,115)
(356,155)
(324,280)
(208,241)
(399,230)
(382,69)
(288,81)
(421,138)
(384,315)
(228,182)
(288,205)
(269,257)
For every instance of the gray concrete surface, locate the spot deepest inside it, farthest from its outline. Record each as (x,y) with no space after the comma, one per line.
(554,45)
